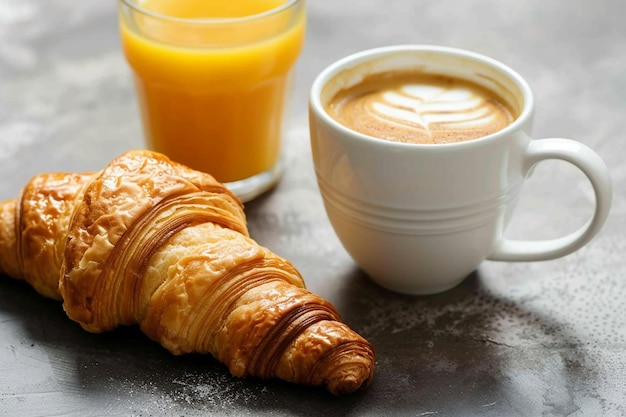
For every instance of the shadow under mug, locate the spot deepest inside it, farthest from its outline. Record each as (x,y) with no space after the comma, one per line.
(419,218)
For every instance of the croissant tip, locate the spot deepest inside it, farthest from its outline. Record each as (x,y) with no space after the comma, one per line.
(350,382)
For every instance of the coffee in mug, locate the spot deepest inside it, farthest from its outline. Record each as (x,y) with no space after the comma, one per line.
(416,217)
(418,107)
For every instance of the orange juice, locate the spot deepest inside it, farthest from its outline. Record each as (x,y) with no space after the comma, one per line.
(211,78)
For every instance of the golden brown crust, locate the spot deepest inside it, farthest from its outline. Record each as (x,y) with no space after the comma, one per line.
(129,188)
(38,218)
(9,260)
(150,242)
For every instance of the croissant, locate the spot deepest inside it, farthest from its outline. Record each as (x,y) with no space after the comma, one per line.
(150,242)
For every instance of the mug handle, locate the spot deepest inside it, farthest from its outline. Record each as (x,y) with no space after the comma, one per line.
(595,169)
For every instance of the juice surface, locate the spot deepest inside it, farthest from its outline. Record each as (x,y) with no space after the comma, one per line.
(212,94)
(200,9)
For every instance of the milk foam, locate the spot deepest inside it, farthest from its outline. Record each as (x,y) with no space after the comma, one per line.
(426,111)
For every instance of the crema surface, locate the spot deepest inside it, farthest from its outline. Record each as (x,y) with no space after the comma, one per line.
(420,108)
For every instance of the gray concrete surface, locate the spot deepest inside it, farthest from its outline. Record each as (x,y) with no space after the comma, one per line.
(537,339)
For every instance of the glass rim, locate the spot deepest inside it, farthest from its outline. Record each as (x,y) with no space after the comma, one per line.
(133,4)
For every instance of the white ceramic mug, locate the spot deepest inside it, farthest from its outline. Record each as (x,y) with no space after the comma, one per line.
(420,218)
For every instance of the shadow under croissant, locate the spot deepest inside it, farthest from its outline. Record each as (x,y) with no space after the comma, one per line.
(109,371)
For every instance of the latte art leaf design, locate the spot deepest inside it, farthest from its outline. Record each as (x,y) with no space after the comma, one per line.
(433,110)
(428,107)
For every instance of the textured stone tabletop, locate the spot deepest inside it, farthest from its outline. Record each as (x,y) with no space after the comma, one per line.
(531,339)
